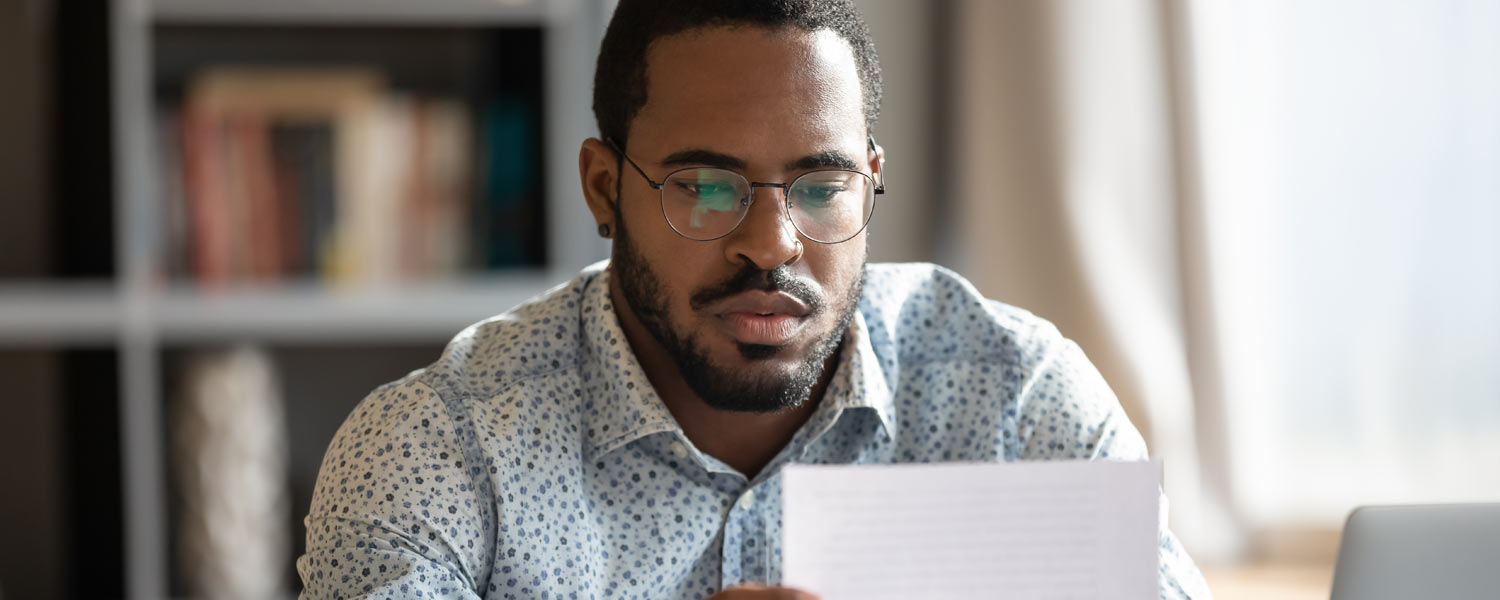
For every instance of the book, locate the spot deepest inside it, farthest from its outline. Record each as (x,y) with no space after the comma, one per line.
(240,213)
(328,173)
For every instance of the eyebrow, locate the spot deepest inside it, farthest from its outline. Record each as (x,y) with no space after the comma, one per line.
(822,160)
(695,156)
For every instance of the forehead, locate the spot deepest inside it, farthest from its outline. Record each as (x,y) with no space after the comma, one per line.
(747,88)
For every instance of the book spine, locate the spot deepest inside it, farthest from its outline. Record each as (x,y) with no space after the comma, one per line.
(204,181)
(262,205)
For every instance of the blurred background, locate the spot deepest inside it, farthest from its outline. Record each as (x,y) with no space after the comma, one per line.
(1274,226)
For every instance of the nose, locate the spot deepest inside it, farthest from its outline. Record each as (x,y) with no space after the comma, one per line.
(766,238)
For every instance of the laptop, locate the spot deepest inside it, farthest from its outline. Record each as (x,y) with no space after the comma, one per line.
(1449,551)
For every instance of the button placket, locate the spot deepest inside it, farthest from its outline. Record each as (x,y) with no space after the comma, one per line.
(731,548)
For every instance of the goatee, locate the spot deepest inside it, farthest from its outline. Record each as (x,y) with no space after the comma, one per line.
(721,387)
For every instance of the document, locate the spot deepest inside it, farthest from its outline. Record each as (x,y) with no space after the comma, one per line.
(969,530)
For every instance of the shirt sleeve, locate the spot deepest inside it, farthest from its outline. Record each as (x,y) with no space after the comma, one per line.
(1067,411)
(400,510)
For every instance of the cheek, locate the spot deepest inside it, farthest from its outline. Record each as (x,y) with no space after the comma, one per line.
(663,251)
(838,268)
(682,266)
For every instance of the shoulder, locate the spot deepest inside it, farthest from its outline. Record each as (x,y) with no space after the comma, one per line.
(400,474)
(926,313)
(392,412)
(538,337)
(968,356)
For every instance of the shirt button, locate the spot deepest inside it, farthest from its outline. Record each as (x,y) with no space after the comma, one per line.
(679,450)
(748,500)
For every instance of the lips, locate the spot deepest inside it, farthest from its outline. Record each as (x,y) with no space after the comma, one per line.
(763,303)
(767,318)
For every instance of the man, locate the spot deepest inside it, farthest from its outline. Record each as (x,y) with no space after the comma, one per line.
(622,435)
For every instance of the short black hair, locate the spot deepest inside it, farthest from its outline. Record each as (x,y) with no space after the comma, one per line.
(620,74)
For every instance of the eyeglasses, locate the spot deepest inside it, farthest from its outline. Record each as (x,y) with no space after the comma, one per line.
(828,206)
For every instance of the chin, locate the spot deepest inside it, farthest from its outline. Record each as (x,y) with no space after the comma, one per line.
(731,375)
(758,352)
(759,360)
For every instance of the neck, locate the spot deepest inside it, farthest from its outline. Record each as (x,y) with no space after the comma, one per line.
(744,440)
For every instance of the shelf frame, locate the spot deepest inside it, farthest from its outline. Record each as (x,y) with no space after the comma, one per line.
(49,315)
(140,316)
(94,314)
(143,472)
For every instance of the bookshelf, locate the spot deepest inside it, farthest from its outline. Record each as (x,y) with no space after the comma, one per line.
(448,12)
(142,319)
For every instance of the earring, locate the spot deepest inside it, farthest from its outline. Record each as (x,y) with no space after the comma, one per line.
(604,230)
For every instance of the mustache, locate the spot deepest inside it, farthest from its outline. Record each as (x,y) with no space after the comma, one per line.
(749,278)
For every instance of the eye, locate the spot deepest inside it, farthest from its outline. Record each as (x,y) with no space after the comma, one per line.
(820,195)
(703,190)
(708,195)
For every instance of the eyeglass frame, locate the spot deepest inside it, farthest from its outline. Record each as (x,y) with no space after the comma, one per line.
(784,187)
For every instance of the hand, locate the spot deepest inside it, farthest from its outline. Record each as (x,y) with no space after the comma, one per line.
(756,591)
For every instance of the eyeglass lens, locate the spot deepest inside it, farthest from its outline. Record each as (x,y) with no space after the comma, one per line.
(826,206)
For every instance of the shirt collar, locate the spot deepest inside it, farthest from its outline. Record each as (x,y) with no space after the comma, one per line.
(858,380)
(620,405)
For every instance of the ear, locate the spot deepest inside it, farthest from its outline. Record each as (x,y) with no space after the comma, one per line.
(598,174)
(877,162)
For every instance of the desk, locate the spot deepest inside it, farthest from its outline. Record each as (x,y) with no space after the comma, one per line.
(1258,581)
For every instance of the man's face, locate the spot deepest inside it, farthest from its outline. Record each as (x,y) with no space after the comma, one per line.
(749,318)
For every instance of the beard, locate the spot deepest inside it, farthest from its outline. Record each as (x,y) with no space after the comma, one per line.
(719,386)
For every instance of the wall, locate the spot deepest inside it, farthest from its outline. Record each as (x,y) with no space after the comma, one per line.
(906,38)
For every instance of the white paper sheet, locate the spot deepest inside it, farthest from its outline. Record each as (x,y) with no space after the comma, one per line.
(964,530)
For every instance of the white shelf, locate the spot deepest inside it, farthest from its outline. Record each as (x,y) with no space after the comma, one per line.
(346,12)
(59,313)
(313,313)
(96,313)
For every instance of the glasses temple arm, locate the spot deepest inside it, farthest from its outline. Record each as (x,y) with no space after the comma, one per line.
(621,151)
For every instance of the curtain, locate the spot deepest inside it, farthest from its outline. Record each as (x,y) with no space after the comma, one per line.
(1073,202)
(1351,162)
(1273,226)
